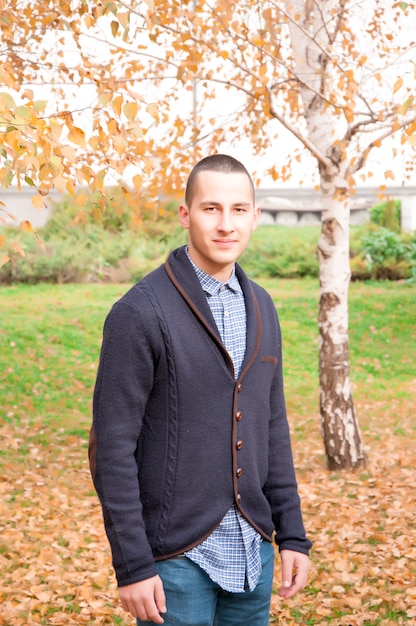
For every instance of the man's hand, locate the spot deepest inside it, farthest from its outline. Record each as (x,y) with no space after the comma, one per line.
(145,599)
(295,568)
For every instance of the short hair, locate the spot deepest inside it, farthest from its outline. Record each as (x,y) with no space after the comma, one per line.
(214,163)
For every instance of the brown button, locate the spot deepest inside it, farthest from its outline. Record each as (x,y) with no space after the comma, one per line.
(238,416)
(239,387)
(238,497)
(239,472)
(239,445)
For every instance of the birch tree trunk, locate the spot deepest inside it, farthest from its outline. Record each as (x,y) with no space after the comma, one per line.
(311,29)
(341,434)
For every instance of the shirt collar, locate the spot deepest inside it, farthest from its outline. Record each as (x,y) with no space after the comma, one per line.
(210,284)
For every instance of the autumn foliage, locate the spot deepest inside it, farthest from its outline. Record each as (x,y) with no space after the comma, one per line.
(134,92)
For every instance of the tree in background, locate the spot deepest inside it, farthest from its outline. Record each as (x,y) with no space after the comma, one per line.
(69,113)
(138,91)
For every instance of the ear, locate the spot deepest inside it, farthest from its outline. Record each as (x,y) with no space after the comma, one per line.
(257,212)
(183,214)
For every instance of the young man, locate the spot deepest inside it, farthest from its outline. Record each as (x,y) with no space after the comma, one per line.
(190,451)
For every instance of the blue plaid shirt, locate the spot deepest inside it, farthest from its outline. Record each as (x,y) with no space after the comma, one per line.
(231,554)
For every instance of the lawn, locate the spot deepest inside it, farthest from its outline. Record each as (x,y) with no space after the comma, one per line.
(54,560)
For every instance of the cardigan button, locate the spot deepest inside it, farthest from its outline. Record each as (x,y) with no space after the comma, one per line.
(239,445)
(238,498)
(239,472)
(239,387)
(238,416)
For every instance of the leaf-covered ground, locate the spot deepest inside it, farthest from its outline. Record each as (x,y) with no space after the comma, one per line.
(363,525)
(54,559)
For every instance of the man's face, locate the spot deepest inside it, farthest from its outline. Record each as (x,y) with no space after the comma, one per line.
(219,221)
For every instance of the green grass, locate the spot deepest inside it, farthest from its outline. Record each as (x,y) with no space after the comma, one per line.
(50,337)
(49,343)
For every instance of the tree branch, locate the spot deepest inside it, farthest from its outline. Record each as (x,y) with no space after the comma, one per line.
(321,158)
(375,143)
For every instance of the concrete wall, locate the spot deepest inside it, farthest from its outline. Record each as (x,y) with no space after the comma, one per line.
(19,206)
(408,214)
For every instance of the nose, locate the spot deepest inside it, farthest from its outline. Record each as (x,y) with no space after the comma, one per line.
(225,223)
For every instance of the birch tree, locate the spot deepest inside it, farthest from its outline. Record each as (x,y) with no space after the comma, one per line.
(172,81)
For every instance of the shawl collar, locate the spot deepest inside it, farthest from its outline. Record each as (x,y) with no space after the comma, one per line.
(182,275)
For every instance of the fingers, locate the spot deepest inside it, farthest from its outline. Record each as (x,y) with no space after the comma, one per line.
(295,568)
(144,599)
(160,598)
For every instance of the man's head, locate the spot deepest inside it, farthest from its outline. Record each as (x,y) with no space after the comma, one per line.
(214,163)
(219,214)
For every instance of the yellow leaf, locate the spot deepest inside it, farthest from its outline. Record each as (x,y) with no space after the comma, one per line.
(59,183)
(389,174)
(411,130)
(70,187)
(40,243)
(349,115)
(28,94)
(22,112)
(40,105)
(26,225)
(354,602)
(397,85)
(104,98)
(81,199)
(89,21)
(114,28)
(16,246)
(96,213)
(153,110)
(130,110)
(94,142)
(120,144)
(43,596)
(4,259)
(117,103)
(112,127)
(137,181)
(7,100)
(37,202)
(77,136)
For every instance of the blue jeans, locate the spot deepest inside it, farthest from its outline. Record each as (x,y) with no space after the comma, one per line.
(193,599)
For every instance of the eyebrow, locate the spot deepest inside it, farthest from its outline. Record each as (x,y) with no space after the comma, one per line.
(214,203)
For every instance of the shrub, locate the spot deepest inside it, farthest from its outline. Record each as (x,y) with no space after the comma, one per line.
(121,212)
(387,215)
(384,254)
(125,244)
(295,257)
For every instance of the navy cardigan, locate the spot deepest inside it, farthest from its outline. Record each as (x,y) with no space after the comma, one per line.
(176,440)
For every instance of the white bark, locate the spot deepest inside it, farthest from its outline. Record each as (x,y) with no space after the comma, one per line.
(342,438)
(310,26)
